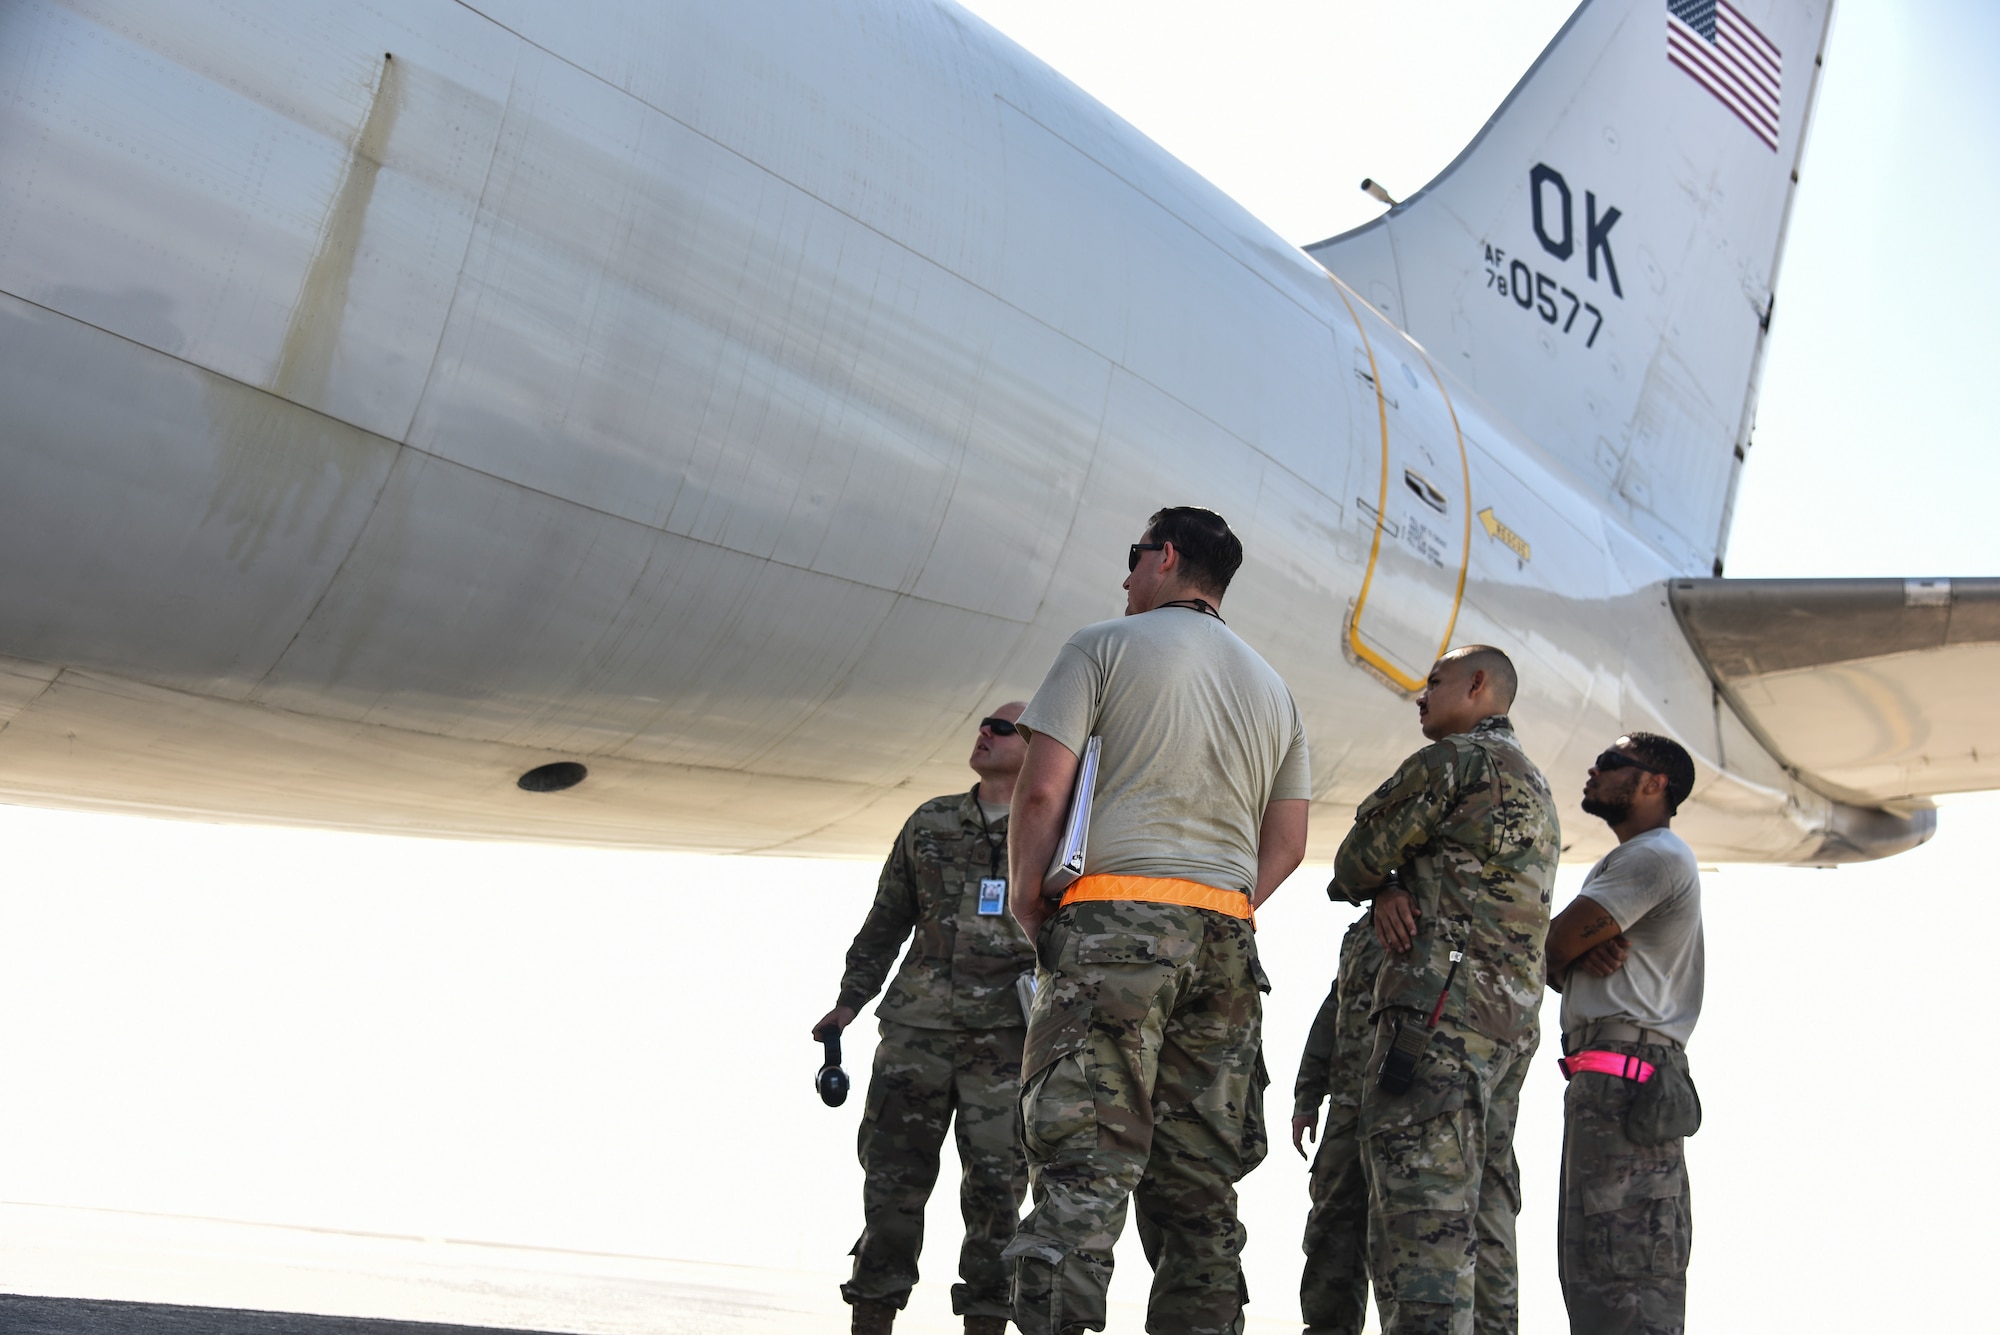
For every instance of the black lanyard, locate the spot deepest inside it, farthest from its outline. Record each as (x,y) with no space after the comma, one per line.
(1193,605)
(987,831)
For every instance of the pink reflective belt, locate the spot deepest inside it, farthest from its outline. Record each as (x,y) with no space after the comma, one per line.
(1606,1063)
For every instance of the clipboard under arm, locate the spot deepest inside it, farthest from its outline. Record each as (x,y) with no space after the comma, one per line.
(1067,864)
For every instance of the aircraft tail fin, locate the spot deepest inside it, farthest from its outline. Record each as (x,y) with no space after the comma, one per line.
(1598,263)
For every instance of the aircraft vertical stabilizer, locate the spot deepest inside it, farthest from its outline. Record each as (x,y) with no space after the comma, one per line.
(1599,262)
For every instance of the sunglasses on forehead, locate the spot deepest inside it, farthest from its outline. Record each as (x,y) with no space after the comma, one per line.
(999,727)
(1611,760)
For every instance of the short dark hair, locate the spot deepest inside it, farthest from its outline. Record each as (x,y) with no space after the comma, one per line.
(1670,758)
(1501,677)
(1210,553)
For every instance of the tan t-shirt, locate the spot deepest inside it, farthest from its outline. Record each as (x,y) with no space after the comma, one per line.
(1651,887)
(1200,735)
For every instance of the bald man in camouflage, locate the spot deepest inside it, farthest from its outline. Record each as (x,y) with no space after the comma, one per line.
(952,1029)
(1458,850)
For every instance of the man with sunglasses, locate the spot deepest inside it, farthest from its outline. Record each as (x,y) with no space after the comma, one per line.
(1457,849)
(952,1029)
(1627,956)
(1143,1082)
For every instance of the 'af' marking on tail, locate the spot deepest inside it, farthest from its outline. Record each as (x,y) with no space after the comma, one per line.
(1533,290)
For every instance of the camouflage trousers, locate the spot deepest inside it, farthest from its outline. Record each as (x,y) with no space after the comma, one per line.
(922,1078)
(1626,1221)
(1333,1287)
(1143,1083)
(1444,1186)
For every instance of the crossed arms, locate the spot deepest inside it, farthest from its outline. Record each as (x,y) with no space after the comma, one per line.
(1585,934)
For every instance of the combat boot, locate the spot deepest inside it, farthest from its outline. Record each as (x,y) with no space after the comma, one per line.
(985,1325)
(871,1318)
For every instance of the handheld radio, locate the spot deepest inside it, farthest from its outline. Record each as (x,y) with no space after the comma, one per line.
(1413,1038)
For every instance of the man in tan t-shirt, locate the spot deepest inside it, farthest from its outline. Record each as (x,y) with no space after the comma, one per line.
(1143,1077)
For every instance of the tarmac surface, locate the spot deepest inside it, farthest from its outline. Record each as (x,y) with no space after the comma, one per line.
(74,1271)
(21,1315)
(68,1271)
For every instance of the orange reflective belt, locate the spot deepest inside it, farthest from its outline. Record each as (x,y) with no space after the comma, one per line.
(1159,890)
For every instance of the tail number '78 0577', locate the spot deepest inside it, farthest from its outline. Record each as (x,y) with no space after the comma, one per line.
(1532,290)
(1553,215)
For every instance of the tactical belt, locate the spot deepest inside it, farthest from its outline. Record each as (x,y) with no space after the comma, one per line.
(1606,1063)
(1617,1031)
(1159,890)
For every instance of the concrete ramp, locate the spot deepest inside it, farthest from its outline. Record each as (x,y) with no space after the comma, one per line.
(87,1316)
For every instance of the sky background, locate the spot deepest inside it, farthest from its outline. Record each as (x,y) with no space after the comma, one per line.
(601,1050)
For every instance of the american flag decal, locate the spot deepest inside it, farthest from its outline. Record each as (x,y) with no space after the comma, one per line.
(1720,50)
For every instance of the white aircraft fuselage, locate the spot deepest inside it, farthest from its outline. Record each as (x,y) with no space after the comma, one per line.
(738,400)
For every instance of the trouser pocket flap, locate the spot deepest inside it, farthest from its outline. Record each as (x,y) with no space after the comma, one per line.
(1064,1032)
(1631,1180)
(1058,1096)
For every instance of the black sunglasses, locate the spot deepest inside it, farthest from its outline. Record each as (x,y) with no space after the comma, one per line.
(1132,557)
(1612,760)
(999,727)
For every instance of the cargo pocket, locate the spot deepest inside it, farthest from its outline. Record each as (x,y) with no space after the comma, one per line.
(1257,974)
(1256,1139)
(1644,1238)
(880,1084)
(872,1101)
(1422,1165)
(1507,1177)
(1634,1198)
(1648,1174)
(1417,1140)
(1058,1092)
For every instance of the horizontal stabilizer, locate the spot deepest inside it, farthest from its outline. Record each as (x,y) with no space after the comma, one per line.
(1876,692)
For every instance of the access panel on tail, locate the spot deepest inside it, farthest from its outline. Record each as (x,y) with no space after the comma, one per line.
(1599,262)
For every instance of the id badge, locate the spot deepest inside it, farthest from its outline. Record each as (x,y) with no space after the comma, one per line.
(992,897)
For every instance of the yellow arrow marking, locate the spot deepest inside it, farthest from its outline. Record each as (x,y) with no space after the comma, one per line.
(1496,529)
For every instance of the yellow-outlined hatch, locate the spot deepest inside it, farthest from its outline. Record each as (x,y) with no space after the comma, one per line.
(1367,653)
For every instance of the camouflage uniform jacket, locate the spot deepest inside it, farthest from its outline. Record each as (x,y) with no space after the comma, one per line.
(1316,1062)
(1471,825)
(1359,955)
(960,971)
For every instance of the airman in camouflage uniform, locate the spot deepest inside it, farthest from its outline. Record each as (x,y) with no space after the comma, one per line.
(1143,1085)
(1629,958)
(1333,1288)
(1470,828)
(952,1030)
(1129,980)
